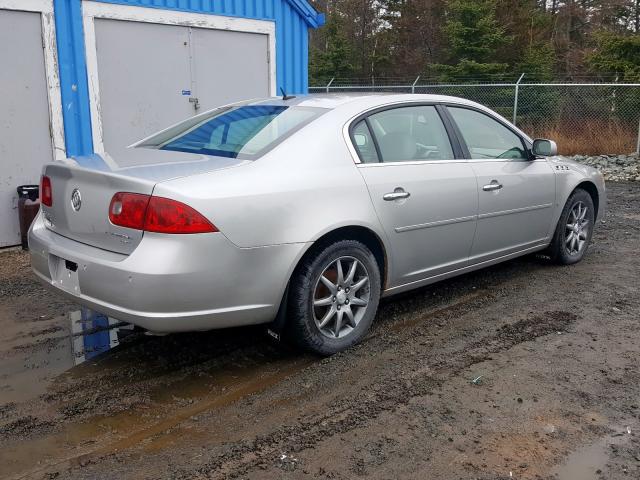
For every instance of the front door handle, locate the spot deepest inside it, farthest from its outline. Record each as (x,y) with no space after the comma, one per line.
(492,187)
(397,194)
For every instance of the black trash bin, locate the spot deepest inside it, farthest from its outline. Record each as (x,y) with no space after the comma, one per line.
(28,206)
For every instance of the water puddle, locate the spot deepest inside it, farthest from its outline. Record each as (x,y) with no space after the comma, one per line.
(171,381)
(588,462)
(41,350)
(93,333)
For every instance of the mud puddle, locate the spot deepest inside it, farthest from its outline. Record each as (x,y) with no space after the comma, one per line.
(588,462)
(153,427)
(33,359)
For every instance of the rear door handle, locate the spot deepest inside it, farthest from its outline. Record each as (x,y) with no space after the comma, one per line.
(397,194)
(493,186)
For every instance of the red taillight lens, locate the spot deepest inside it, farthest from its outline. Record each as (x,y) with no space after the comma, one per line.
(156,214)
(128,210)
(46,194)
(169,216)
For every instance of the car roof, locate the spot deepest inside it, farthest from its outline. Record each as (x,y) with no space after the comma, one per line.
(335,100)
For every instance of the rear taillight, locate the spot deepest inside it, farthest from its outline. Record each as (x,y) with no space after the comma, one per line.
(46,195)
(128,210)
(169,216)
(156,214)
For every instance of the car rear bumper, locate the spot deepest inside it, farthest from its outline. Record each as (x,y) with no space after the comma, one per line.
(170,283)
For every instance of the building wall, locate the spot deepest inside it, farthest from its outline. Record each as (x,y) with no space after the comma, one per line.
(291,51)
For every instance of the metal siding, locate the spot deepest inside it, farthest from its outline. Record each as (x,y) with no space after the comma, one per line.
(291,52)
(25,142)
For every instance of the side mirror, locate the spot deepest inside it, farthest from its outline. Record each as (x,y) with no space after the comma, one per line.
(544,148)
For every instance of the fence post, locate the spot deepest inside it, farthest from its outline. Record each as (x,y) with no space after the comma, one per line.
(515,102)
(413,87)
(638,145)
(330,82)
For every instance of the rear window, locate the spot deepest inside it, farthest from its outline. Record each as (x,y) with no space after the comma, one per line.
(244,132)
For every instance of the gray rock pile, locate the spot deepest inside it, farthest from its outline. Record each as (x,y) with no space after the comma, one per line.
(616,168)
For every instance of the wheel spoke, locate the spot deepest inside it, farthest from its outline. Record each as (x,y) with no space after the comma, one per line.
(574,215)
(340,272)
(339,316)
(352,272)
(358,302)
(583,213)
(569,237)
(327,317)
(350,318)
(329,284)
(574,244)
(361,283)
(323,302)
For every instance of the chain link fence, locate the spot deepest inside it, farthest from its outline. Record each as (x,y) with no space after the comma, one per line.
(584,118)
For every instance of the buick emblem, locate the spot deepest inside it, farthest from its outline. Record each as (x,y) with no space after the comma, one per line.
(76,200)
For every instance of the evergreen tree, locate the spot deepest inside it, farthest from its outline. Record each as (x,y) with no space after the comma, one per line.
(474,37)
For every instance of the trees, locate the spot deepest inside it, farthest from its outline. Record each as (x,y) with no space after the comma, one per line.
(484,39)
(473,36)
(616,53)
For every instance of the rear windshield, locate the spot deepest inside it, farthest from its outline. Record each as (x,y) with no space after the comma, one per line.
(244,132)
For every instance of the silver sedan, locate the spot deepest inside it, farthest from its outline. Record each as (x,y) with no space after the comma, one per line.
(303,212)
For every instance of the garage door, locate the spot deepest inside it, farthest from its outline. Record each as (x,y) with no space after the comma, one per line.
(25,140)
(153,75)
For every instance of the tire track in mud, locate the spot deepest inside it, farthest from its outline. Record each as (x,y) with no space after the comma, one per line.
(242,457)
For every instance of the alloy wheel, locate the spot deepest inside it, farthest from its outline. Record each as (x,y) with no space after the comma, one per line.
(341,297)
(577,229)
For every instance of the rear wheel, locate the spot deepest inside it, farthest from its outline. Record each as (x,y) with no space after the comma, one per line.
(334,296)
(574,230)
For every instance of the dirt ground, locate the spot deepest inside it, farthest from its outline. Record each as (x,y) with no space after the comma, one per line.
(524,370)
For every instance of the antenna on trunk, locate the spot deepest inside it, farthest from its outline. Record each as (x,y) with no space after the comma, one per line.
(285,96)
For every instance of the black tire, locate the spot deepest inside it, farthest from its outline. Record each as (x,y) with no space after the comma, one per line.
(306,287)
(568,252)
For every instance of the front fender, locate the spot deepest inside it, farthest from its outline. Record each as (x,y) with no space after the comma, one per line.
(569,176)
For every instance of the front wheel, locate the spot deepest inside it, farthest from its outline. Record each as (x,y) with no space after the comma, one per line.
(574,230)
(334,296)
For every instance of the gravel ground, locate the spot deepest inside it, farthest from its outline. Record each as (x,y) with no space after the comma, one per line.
(615,168)
(524,370)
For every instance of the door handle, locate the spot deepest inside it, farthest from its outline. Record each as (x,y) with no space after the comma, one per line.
(493,186)
(397,194)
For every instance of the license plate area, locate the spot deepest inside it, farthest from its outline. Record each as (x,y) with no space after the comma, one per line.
(64,274)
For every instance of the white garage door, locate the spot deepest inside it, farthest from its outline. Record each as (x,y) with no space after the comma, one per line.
(25,139)
(152,75)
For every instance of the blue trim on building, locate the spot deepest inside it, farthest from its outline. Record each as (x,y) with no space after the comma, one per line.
(293,18)
(74,88)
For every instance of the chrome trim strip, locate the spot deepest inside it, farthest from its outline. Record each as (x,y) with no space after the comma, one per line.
(437,162)
(515,210)
(436,224)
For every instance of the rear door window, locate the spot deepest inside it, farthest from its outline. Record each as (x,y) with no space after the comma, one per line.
(411,133)
(364,143)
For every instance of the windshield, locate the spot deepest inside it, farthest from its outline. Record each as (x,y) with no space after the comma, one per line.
(244,132)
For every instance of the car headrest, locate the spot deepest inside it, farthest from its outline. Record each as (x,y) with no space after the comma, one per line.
(398,146)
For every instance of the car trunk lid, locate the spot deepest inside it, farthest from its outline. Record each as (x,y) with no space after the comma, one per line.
(82,189)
